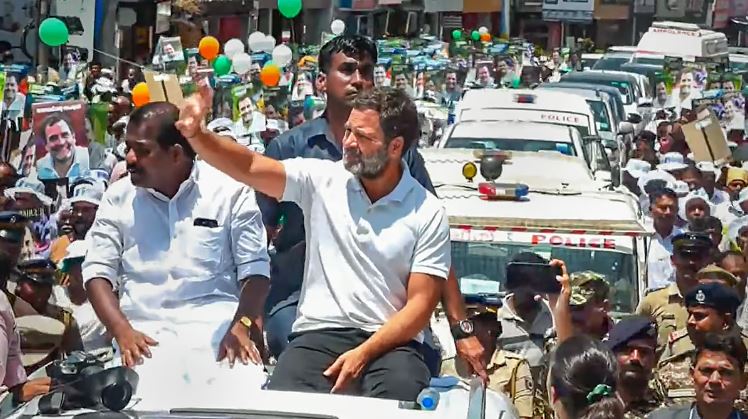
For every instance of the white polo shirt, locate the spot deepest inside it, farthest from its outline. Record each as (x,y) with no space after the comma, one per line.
(168,269)
(360,254)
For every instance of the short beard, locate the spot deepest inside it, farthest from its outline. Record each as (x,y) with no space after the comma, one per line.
(366,167)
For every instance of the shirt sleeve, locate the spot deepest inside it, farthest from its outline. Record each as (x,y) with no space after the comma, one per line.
(11,366)
(523,386)
(104,244)
(303,177)
(248,238)
(432,255)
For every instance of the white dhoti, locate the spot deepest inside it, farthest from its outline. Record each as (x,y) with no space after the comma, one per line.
(183,365)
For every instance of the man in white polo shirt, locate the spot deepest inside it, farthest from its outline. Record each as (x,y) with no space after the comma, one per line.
(378,249)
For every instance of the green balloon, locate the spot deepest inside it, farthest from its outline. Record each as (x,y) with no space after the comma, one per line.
(456,34)
(475,35)
(53,32)
(289,8)
(221,65)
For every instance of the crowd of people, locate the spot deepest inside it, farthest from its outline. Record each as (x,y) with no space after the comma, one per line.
(187,236)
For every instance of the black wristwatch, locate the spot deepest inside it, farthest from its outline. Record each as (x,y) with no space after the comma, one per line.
(462,329)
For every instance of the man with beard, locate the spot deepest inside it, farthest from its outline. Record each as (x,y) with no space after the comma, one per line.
(711,309)
(377,245)
(691,252)
(634,340)
(64,159)
(718,379)
(346,65)
(709,175)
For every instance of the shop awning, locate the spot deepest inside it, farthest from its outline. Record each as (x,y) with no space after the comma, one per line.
(481,6)
(568,16)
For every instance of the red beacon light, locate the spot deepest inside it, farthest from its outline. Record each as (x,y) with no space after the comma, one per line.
(524,98)
(492,191)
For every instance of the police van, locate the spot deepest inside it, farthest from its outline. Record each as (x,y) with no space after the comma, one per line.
(550,208)
(684,40)
(483,108)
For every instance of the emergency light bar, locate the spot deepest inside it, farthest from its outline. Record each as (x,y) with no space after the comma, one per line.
(524,98)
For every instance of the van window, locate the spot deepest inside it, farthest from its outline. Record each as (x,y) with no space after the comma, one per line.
(601,114)
(511,144)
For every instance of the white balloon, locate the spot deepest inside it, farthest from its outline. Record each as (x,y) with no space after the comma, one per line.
(242,63)
(233,47)
(337,27)
(256,40)
(282,55)
(482,30)
(268,44)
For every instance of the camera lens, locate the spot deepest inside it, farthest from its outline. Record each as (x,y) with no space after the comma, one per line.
(116,396)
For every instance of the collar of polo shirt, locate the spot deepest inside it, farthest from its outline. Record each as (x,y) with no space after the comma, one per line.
(188,183)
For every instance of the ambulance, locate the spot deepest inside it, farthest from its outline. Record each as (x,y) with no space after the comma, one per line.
(685,40)
(555,212)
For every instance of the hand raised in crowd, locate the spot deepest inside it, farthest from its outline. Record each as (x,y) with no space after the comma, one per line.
(472,351)
(194,110)
(236,344)
(133,346)
(559,303)
(347,368)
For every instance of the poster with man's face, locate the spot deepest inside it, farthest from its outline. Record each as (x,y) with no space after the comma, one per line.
(59,132)
(170,51)
(244,103)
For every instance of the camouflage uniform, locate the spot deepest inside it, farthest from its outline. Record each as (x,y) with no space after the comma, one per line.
(508,373)
(667,307)
(641,408)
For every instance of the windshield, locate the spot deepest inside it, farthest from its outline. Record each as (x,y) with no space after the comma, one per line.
(481,267)
(738,65)
(627,95)
(610,63)
(511,144)
(601,115)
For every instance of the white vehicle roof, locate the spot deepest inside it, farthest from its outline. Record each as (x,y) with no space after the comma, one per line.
(553,107)
(513,129)
(743,58)
(561,199)
(622,48)
(594,56)
(684,40)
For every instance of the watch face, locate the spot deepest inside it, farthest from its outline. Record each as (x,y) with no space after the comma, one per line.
(466,326)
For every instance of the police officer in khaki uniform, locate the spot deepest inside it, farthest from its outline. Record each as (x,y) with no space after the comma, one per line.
(711,308)
(691,252)
(35,287)
(41,341)
(12,230)
(508,372)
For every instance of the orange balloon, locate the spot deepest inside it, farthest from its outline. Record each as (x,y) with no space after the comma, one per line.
(485,37)
(270,75)
(209,48)
(140,94)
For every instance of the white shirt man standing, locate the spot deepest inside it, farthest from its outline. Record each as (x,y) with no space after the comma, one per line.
(378,249)
(185,248)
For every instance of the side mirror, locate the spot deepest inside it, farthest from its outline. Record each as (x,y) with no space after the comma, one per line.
(588,139)
(610,144)
(644,102)
(634,118)
(625,127)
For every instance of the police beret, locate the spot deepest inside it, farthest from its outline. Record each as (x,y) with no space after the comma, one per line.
(715,272)
(714,295)
(12,226)
(630,328)
(39,270)
(691,242)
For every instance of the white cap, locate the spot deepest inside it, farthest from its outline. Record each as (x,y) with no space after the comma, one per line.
(637,168)
(657,174)
(708,167)
(672,161)
(87,193)
(30,185)
(681,188)
(699,194)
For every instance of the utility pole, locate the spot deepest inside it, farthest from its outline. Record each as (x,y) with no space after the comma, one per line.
(42,51)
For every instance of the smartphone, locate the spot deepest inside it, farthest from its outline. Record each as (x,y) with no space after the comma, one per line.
(540,277)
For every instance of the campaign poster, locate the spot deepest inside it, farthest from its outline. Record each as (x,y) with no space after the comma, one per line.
(274,103)
(59,132)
